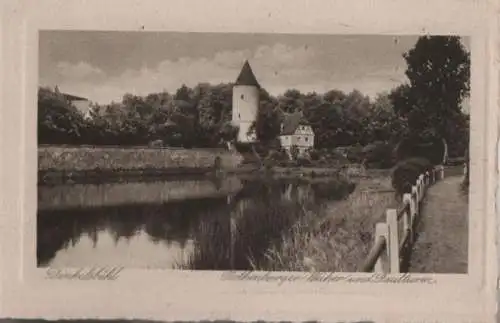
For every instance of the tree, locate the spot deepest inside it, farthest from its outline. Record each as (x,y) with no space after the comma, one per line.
(58,121)
(267,125)
(228,132)
(291,101)
(382,123)
(438,70)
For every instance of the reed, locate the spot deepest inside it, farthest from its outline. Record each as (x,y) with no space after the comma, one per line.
(337,239)
(257,231)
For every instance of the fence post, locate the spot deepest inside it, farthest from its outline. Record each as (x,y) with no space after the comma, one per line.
(442,172)
(433,177)
(422,191)
(392,223)
(417,185)
(427,178)
(414,192)
(381,230)
(418,189)
(407,216)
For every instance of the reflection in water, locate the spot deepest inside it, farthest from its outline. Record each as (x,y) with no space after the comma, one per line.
(145,229)
(88,195)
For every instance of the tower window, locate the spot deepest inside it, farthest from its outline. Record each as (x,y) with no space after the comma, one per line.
(242,96)
(239,116)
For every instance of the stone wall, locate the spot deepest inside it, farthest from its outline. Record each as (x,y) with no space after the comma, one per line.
(104,158)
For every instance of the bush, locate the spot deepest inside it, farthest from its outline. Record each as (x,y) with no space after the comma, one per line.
(354,153)
(406,172)
(278,155)
(243,147)
(156,143)
(314,154)
(430,148)
(333,190)
(294,152)
(379,155)
(301,161)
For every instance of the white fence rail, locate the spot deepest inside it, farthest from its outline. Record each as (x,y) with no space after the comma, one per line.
(394,238)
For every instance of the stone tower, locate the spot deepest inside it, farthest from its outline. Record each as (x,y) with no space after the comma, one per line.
(246,91)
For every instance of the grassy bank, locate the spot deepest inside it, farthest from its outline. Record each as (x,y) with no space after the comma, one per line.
(255,225)
(336,238)
(333,233)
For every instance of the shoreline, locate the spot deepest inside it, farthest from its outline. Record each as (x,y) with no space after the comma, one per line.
(59,165)
(51,177)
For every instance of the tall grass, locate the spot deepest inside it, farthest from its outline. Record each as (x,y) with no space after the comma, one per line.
(242,240)
(336,240)
(239,241)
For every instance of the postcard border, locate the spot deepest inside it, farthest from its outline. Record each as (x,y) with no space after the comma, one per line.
(29,289)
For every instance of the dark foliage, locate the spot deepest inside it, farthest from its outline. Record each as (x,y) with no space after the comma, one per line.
(379,155)
(438,69)
(406,173)
(431,148)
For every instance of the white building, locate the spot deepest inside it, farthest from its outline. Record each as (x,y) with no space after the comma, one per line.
(81,104)
(246,92)
(296,132)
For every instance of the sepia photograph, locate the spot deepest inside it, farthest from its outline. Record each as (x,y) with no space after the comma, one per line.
(208,160)
(253,151)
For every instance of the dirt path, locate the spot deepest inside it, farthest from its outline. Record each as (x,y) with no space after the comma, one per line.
(442,242)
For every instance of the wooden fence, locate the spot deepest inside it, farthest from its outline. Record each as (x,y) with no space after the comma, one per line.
(394,238)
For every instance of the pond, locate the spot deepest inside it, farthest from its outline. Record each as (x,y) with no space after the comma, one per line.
(200,224)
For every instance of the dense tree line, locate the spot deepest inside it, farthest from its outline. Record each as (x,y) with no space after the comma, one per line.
(428,105)
(200,116)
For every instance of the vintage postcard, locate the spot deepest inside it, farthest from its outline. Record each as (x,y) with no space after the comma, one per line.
(225,160)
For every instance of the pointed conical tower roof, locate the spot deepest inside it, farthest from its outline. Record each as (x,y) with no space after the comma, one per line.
(246,76)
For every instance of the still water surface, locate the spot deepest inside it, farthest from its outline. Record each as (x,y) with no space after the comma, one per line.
(195,224)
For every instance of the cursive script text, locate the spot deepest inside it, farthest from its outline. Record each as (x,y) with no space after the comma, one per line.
(93,273)
(281,278)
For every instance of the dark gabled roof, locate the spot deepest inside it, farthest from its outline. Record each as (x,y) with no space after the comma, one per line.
(73,97)
(246,76)
(291,121)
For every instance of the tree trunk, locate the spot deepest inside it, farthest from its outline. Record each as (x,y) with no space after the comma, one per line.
(445,154)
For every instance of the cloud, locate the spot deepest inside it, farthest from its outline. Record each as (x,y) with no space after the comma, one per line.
(280,55)
(275,64)
(78,71)
(277,67)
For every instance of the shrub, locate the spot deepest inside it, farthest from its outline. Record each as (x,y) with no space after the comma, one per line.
(243,147)
(406,172)
(430,148)
(333,190)
(156,143)
(314,154)
(269,164)
(379,155)
(294,151)
(278,155)
(301,161)
(354,153)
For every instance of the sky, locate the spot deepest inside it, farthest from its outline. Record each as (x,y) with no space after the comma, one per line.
(103,66)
